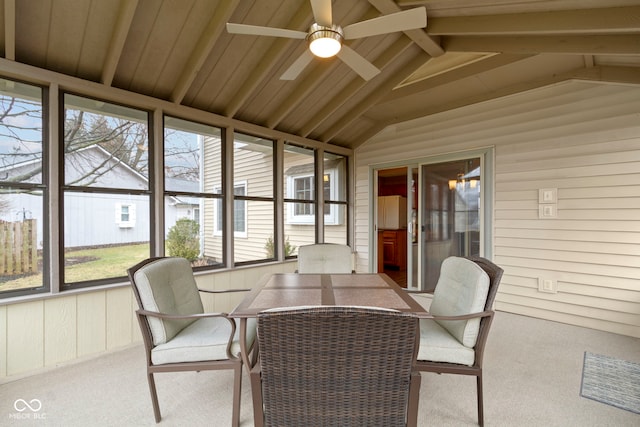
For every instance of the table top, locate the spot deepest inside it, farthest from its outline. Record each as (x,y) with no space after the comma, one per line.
(294,289)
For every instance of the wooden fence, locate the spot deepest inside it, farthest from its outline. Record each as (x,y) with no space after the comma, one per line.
(18,247)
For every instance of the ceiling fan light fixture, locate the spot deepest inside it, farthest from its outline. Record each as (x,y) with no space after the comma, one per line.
(325,42)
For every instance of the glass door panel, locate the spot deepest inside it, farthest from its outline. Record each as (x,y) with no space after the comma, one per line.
(450,215)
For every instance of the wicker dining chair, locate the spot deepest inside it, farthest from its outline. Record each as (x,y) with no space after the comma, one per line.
(453,342)
(177,334)
(336,366)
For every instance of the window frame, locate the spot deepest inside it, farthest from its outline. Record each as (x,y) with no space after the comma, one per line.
(44,186)
(65,188)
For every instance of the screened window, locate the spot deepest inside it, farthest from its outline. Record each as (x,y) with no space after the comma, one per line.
(335,198)
(254,205)
(106,155)
(23,190)
(193,192)
(300,200)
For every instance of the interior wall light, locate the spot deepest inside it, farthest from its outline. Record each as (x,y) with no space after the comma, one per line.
(325,42)
(453,183)
(462,181)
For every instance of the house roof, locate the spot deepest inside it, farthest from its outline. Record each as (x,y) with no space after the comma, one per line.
(470,51)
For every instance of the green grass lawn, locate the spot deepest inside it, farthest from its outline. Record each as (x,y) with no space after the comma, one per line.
(88,264)
(106,263)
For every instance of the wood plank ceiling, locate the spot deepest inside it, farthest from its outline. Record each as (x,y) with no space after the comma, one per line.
(470,51)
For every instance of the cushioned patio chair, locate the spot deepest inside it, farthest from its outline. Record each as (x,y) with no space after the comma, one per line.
(325,258)
(454,341)
(177,334)
(336,366)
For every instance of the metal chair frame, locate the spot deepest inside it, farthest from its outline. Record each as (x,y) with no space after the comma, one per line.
(233,362)
(486,317)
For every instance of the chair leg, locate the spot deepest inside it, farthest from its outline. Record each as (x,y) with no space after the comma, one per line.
(480,402)
(154,396)
(254,356)
(256,395)
(414,399)
(237,392)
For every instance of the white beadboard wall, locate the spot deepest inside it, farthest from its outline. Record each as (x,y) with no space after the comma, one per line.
(582,138)
(45,333)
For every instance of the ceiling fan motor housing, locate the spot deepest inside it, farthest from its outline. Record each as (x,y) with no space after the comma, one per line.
(325,42)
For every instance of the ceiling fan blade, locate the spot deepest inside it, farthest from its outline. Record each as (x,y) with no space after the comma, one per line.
(399,21)
(322,12)
(298,65)
(255,30)
(360,65)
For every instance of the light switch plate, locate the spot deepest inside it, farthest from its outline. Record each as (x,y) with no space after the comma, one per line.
(547,211)
(549,286)
(548,195)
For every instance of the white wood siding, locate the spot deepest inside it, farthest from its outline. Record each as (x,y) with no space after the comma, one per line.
(581,138)
(42,334)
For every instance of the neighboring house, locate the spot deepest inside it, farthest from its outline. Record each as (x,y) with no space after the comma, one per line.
(113,218)
(178,207)
(254,221)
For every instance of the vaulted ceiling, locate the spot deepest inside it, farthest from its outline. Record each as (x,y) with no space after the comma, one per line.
(470,51)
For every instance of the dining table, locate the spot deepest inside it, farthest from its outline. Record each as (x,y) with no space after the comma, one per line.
(281,290)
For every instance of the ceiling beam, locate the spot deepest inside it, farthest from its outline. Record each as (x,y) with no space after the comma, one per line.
(609,74)
(202,50)
(10,29)
(625,75)
(352,88)
(377,95)
(429,44)
(272,57)
(487,64)
(123,23)
(568,44)
(375,127)
(586,21)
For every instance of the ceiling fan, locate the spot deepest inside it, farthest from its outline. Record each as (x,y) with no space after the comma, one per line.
(325,38)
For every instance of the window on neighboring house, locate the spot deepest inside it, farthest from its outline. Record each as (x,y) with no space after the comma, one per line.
(23,190)
(125,215)
(193,176)
(239,213)
(106,156)
(301,187)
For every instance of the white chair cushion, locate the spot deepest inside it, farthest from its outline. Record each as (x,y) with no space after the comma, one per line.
(204,339)
(461,289)
(325,258)
(438,345)
(167,286)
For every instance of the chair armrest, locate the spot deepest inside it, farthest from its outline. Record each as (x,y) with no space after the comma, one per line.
(463,316)
(192,316)
(222,291)
(180,316)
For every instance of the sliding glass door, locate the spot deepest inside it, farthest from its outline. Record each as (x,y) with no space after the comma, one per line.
(430,209)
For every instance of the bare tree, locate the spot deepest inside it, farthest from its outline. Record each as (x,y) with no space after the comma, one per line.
(121,140)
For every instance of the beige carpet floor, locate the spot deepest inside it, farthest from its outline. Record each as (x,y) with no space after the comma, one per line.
(532,378)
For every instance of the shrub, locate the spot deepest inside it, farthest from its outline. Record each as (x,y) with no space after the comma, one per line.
(288,248)
(183,239)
